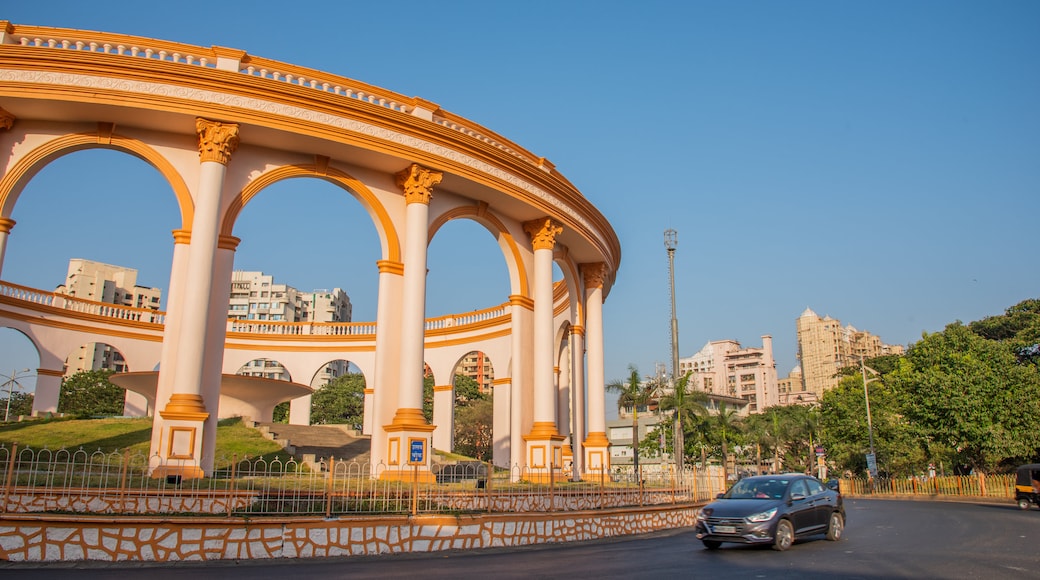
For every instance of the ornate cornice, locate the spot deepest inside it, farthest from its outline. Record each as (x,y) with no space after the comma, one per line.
(217,141)
(417,183)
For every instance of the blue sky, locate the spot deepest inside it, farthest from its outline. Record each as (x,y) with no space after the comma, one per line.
(878,162)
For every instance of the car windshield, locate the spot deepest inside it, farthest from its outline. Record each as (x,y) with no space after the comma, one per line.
(758,488)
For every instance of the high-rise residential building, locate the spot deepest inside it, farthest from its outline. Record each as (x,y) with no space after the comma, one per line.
(825,347)
(256,296)
(110,284)
(744,378)
(792,389)
(477,366)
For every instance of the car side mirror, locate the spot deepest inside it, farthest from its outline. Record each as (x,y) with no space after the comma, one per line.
(797,496)
(720,495)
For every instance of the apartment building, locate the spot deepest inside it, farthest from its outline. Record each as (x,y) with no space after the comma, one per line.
(477,366)
(256,296)
(825,347)
(743,378)
(110,284)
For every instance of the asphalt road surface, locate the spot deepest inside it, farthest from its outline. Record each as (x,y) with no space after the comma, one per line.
(883,539)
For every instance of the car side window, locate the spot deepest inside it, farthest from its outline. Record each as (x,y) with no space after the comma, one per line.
(815,487)
(798,487)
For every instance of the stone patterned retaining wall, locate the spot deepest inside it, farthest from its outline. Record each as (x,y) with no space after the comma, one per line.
(40,538)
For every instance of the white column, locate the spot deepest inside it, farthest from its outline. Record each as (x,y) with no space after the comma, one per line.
(597,446)
(409,437)
(186,419)
(520,310)
(577,352)
(381,387)
(5,229)
(544,443)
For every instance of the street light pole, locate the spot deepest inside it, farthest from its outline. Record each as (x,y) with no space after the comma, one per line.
(871,469)
(11,383)
(670,242)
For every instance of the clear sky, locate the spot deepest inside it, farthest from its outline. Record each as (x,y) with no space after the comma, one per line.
(878,162)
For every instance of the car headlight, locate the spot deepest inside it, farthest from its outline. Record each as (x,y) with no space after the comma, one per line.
(702,514)
(762,516)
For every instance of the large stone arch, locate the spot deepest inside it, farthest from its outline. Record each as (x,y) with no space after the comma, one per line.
(18,176)
(388,237)
(511,252)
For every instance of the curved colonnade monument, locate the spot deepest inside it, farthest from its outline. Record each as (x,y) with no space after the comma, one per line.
(221,125)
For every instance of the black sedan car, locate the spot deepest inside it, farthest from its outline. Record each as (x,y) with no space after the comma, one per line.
(772,509)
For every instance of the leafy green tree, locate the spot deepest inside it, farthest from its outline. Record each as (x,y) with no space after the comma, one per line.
(341,401)
(1019,325)
(635,394)
(969,394)
(473,428)
(89,393)
(427,399)
(281,413)
(845,433)
(20,404)
(467,390)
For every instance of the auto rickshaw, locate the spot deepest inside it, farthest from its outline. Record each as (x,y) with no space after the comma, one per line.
(1027,485)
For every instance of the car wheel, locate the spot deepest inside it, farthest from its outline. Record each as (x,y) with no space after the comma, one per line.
(784,536)
(1023,504)
(836,527)
(712,544)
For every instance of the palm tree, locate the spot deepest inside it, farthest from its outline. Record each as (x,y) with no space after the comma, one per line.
(688,408)
(725,423)
(635,394)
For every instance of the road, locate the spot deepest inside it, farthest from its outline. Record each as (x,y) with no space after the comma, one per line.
(883,539)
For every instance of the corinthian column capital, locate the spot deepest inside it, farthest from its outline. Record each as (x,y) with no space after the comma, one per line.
(543,232)
(594,274)
(217,141)
(6,120)
(417,183)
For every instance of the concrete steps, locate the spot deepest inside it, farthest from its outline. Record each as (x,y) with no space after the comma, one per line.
(310,444)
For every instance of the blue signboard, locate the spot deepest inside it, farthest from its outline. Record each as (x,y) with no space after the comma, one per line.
(417,451)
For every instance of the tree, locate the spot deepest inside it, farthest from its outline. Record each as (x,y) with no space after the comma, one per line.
(688,409)
(473,428)
(969,394)
(467,390)
(20,404)
(341,401)
(845,433)
(635,394)
(722,428)
(89,393)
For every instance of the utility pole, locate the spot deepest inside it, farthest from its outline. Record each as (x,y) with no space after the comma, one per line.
(11,383)
(670,242)
(872,458)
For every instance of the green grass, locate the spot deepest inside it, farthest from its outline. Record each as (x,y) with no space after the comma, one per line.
(110,435)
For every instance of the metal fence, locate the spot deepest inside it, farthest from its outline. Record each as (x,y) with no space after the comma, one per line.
(83,482)
(976,486)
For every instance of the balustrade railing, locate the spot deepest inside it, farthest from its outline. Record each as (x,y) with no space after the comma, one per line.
(496,314)
(154,49)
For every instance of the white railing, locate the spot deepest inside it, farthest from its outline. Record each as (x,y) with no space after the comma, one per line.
(494,315)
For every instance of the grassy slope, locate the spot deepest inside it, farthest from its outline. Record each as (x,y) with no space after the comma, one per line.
(109,435)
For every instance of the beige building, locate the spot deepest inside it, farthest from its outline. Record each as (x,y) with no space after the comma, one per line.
(112,285)
(256,296)
(476,366)
(743,378)
(825,347)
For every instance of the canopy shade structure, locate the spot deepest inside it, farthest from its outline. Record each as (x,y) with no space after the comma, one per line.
(240,396)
